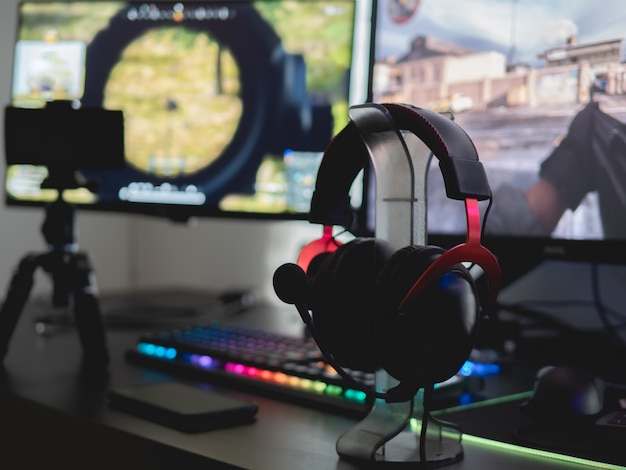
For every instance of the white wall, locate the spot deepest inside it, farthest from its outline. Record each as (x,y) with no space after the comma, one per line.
(220,254)
(136,252)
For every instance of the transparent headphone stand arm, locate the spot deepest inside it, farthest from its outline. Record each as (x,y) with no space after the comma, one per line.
(391,432)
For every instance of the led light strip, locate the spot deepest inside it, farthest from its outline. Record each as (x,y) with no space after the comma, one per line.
(207,362)
(415,426)
(155,350)
(314,386)
(539,453)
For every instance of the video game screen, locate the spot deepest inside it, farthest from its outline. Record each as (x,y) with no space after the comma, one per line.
(540,88)
(228,105)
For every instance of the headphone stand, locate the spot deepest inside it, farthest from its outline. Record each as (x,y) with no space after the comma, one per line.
(391,434)
(399,430)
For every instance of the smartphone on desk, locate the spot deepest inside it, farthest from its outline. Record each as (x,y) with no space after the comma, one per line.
(182,406)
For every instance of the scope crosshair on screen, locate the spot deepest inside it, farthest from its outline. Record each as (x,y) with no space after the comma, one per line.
(252,94)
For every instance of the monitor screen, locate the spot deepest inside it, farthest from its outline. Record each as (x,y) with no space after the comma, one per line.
(228,105)
(540,87)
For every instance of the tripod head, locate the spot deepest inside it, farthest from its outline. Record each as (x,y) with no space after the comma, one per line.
(59,226)
(59,230)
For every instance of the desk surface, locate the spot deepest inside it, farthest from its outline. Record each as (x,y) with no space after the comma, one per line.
(51,413)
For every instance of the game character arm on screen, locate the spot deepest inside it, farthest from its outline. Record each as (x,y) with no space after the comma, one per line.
(566,176)
(512,213)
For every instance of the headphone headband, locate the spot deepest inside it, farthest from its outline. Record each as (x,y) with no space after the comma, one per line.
(464,175)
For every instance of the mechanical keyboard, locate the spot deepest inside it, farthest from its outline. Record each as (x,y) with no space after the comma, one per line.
(279,365)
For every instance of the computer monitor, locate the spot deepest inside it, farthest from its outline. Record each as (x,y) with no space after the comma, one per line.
(228,105)
(541,91)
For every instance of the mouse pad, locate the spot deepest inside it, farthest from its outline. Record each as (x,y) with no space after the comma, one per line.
(504,421)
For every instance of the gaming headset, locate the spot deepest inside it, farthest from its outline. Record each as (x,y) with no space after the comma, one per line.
(413,312)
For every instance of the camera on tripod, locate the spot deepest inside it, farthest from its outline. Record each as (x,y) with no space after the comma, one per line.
(65,140)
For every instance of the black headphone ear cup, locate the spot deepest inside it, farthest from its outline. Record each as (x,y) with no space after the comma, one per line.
(343,299)
(318,265)
(432,336)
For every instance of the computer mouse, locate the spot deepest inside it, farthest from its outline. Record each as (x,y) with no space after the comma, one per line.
(565,393)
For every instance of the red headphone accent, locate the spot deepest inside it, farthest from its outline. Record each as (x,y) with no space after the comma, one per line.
(472,249)
(326,244)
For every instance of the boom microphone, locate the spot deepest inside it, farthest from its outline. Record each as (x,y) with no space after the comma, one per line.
(290,285)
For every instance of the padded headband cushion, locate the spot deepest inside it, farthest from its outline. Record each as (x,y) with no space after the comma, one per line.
(346,155)
(463,174)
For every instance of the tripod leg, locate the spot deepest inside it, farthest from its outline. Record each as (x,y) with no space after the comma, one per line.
(87,313)
(17,295)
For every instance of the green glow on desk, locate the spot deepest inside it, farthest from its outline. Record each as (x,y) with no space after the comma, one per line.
(539,453)
(512,447)
(484,403)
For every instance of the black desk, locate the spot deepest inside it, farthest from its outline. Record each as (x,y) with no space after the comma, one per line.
(49,414)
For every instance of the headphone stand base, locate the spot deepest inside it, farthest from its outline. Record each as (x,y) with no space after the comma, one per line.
(391,435)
